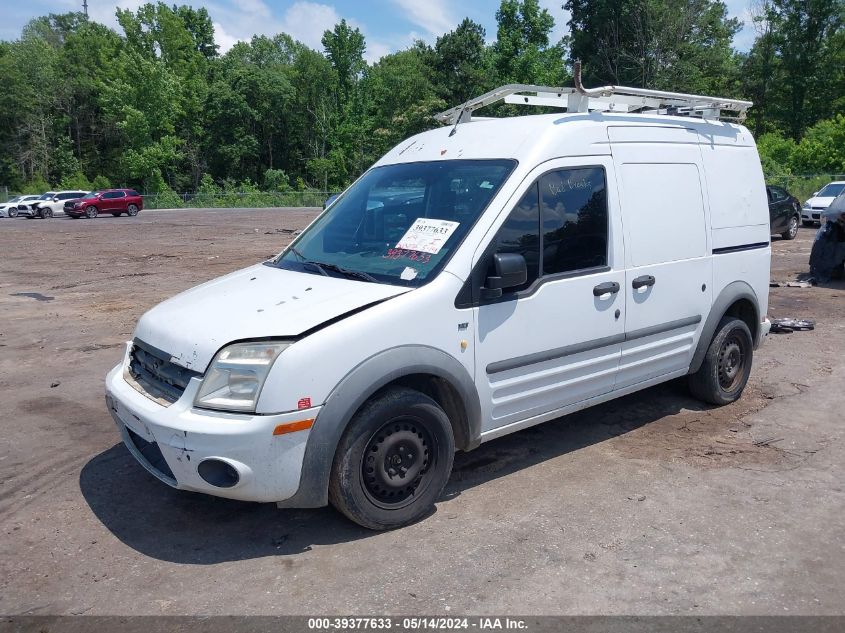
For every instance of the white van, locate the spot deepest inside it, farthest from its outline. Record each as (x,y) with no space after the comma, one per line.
(479,279)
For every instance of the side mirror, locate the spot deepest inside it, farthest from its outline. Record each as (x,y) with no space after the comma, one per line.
(55,198)
(510,271)
(815,193)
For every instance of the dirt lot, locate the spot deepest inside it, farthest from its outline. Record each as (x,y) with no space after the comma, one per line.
(651,504)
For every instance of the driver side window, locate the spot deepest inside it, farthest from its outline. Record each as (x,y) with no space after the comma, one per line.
(571,207)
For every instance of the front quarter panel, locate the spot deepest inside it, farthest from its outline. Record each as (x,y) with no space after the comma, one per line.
(312,367)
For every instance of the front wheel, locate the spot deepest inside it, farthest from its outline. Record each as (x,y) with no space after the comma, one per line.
(393,461)
(132,210)
(13,213)
(791,229)
(45,213)
(727,364)
(91,212)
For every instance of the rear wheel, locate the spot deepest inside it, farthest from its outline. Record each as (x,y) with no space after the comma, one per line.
(393,461)
(132,210)
(91,212)
(791,229)
(727,364)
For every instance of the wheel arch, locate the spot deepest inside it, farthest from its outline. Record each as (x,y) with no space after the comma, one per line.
(737,299)
(426,369)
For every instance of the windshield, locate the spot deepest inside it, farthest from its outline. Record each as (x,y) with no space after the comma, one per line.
(47,196)
(399,223)
(15,199)
(832,190)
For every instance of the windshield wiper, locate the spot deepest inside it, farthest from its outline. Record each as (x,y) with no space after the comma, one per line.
(353,274)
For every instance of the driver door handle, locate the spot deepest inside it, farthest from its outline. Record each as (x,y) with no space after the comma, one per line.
(607,287)
(645,280)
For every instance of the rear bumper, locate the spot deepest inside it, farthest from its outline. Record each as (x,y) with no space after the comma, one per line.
(172,441)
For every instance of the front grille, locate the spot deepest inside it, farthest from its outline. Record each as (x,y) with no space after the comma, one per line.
(153,370)
(151,454)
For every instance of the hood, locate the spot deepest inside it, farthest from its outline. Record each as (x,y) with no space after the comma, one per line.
(822,202)
(253,303)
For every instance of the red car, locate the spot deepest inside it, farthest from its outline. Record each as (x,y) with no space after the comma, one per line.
(114,201)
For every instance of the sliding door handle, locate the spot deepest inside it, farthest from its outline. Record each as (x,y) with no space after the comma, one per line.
(607,287)
(645,280)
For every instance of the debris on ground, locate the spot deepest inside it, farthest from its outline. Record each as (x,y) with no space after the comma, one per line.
(789,325)
(790,284)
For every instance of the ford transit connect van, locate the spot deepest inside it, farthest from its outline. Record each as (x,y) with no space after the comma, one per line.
(480,278)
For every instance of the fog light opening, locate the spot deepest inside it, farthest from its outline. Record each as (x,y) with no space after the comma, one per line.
(218,473)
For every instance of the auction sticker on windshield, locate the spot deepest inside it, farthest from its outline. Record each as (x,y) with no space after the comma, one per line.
(427,235)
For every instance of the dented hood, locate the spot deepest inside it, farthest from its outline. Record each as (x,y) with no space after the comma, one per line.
(257,302)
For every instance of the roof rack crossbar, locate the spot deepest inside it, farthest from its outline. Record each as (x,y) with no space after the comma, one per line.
(605,98)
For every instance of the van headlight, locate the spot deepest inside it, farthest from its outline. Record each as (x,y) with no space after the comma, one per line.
(236,375)
(806,205)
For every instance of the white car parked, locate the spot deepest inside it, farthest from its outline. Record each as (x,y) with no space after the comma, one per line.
(49,204)
(813,210)
(515,270)
(9,209)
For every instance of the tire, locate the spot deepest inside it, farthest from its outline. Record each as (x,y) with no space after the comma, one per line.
(400,430)
(46,212)
(792,229)
(13,213)
(727,364)
(807,223)
(91,212)
(132,210)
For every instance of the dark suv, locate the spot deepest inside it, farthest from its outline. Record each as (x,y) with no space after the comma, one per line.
(114,201)
(784,212)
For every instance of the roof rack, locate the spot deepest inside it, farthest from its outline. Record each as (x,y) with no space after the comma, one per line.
(604,99)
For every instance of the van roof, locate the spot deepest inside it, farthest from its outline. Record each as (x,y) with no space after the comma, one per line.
(540,137)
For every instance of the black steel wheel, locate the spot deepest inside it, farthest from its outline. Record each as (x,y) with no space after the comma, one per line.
(393,460)
(395,467)
(726,367)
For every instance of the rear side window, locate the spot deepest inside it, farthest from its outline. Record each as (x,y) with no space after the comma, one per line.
(563,216)
(663,212)
(132,192)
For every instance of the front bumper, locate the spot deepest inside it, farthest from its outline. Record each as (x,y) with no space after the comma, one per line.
(269,466)
(811,215)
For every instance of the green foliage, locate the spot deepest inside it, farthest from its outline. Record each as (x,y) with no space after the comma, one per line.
(37,185)
(276,180)
(158,108)
(683,46)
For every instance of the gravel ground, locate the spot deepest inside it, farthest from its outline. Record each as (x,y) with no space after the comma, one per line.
(651,504)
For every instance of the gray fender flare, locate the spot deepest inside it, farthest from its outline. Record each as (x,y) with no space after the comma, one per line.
(355,389)
(731,293)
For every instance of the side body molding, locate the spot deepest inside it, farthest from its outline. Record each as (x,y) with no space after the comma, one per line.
(358,385)
(731,293)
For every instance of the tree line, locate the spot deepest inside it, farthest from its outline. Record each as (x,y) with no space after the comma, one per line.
(158,108)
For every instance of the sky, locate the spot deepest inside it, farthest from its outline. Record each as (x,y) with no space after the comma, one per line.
(389,25)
